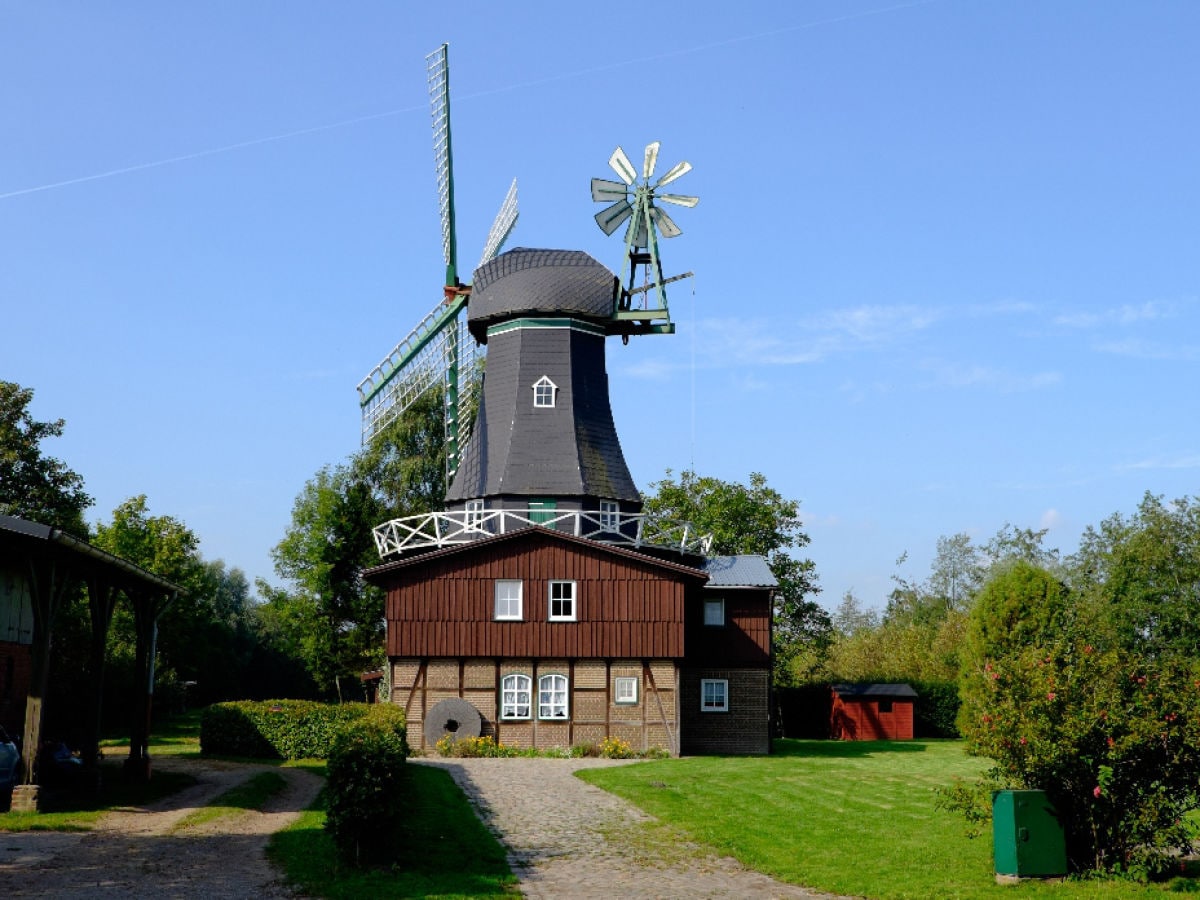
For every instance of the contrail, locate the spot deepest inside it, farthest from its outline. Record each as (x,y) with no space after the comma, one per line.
(240,145)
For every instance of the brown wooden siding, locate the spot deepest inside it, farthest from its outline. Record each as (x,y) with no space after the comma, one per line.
(863,719)
(744,639)
(624,608)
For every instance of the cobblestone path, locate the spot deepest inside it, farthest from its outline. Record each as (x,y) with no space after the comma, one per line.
(570,840)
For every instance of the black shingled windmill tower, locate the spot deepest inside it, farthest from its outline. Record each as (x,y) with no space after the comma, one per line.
(544,449)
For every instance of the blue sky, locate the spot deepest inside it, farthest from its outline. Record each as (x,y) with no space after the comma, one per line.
(946,253)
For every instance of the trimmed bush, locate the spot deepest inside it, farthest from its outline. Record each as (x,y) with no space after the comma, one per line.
(366,791)
(286,729)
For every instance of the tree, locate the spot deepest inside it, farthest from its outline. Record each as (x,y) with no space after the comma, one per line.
(336,618)
(1055,693)
(330,617)
(1147,567)
(32,485)
(405,464)
(755,519)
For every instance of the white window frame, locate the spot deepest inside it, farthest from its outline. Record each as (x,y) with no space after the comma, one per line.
(718,700)
(561,616)
(610,515)
(474,517)
(710,604)
(553,697)
(625,690)
(516,697)
(503,594)
(545,393)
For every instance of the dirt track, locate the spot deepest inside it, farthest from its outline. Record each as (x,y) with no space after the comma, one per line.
(141,853)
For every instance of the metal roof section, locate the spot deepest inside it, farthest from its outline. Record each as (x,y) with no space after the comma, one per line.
(874,690)
(743,571)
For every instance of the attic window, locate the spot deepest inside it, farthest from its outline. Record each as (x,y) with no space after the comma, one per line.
(544,391)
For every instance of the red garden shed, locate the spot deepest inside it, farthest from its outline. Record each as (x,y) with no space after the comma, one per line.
(872,712)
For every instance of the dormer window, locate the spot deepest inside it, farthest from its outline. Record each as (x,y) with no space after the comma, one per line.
(544,391)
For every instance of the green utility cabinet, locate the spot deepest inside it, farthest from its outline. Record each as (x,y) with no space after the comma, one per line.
(1027,836)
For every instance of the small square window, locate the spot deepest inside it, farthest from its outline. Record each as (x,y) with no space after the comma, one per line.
(714,695)
(625,691)
(885,706)
(508,599)
(544,391)
(714,612)
(562,601)
(610,515)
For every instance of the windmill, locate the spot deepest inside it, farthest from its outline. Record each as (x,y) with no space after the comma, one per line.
(633,200)
(439,350)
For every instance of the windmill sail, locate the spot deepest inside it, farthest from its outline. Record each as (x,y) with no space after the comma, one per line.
(440,352)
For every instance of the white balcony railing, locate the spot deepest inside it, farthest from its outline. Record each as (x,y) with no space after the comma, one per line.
(450,528)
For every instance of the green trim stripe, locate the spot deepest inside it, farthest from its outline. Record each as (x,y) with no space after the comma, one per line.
(573,324)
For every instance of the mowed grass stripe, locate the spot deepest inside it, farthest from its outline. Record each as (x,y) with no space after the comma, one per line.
(851,819)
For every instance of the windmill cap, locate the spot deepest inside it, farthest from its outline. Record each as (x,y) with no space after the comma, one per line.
(525,282)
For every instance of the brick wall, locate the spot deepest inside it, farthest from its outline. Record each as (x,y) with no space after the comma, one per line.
(743,728)
(594,714)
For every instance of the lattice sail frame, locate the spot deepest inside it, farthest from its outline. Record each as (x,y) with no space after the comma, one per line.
(430,349)
(440,350)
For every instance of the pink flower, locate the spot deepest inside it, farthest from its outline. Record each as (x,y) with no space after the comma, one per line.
(1096,792)
(1051,695)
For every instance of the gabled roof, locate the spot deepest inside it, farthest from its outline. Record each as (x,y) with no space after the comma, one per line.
(83,557)
(874,690)
(376,573)
(743,571)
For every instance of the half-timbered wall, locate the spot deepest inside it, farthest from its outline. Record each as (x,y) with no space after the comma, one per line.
(594,710)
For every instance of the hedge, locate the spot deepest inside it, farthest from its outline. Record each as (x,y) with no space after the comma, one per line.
(366,795)
(286,729)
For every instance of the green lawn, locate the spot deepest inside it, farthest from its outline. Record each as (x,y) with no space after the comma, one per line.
(448,852)
(848,818)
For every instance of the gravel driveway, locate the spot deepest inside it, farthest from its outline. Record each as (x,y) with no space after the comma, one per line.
(568,839)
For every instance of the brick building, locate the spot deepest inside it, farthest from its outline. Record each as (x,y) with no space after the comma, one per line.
(542,607)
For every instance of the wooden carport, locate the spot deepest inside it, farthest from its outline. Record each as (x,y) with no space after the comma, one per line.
(53,564)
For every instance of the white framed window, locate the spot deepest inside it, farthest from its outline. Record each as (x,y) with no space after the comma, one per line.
(508,598)
(552,697)
(562,601)
(474,514)
(515,691)
(625,691)
(714,612)
(610,515)
(544,393)
(714,695)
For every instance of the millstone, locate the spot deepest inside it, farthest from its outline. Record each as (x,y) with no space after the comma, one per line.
(454,717)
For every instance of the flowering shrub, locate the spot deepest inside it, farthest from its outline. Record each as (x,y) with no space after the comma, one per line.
(1113,739)
(615,748)
(473,747)
(487,747)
